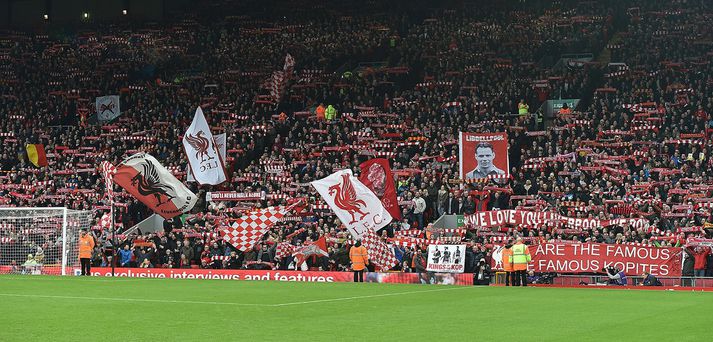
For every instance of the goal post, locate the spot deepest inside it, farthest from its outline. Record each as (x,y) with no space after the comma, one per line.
(41,240)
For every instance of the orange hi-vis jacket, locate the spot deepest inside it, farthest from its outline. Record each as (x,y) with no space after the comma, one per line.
(507,259)
(359,258)
(86,245)
(320,112)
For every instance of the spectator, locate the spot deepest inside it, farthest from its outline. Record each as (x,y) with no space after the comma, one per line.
(125,256)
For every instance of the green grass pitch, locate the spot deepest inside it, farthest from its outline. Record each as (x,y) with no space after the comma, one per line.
(44,308)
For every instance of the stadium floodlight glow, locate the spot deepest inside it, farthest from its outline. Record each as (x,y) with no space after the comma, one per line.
(46,17)
(124,12)
(85,15)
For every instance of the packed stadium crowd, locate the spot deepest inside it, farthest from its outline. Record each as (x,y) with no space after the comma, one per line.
(373,82)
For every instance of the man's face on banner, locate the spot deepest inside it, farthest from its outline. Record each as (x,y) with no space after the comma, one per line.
(484,156)
(377,176)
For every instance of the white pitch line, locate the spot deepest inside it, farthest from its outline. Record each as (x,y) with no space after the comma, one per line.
(227,303)
(131,299)
(369,296)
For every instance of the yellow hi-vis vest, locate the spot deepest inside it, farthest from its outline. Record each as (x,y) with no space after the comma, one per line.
(518,254)
(522,108)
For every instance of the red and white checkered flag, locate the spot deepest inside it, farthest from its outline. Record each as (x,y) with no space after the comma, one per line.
(108,171)
(379,252)
(249,229)
(284,249)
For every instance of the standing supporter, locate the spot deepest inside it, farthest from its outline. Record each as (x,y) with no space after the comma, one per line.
(508,264)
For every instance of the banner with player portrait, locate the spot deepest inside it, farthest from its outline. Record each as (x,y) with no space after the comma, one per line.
(483,155)
(446,258)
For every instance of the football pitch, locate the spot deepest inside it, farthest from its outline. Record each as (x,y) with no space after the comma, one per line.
(45,308)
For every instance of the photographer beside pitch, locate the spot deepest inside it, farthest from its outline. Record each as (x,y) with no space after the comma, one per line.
(616,276)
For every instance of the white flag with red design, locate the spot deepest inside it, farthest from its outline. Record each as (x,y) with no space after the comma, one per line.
(220,143)
(354,204)
(204,160)
(248,230)
(105,221)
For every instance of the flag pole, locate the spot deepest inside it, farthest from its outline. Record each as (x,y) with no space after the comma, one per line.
(113,237)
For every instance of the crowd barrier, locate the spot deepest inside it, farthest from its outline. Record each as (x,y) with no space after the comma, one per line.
(278,275)
(573,280)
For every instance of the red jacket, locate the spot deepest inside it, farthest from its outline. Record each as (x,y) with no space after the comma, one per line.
(700,259)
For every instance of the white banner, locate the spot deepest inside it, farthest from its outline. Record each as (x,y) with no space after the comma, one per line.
(446,258)
(107,107)
(356,206)
(220,143)
(204,160)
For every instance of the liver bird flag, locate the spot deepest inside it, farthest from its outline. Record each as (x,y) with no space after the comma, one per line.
(355,205)
(152,184)
(204,160)
(220,143)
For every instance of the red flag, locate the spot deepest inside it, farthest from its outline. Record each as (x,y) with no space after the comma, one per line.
(377,176)
(318,247)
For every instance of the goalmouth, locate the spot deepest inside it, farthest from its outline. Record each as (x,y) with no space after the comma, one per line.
(41,240)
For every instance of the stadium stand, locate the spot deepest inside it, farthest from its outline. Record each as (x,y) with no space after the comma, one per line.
(403,82)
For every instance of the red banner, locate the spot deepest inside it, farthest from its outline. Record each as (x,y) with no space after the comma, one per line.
(483,155)
(322,277)
(593,257)
(377,176)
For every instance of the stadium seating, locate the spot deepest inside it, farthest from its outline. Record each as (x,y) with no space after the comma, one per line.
(641,129)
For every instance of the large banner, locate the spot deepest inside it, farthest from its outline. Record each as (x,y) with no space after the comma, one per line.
(376,175)
(593,257)
(107,107)
(220,144)
(152,184)
(534,219)
(204,160)
(483,155)
(354,204)
(277,275)
(446,258)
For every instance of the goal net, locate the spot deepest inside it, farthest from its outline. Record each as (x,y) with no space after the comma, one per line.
(41,240)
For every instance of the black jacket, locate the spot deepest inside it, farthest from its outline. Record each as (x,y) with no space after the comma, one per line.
(469,261)
(688,264)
